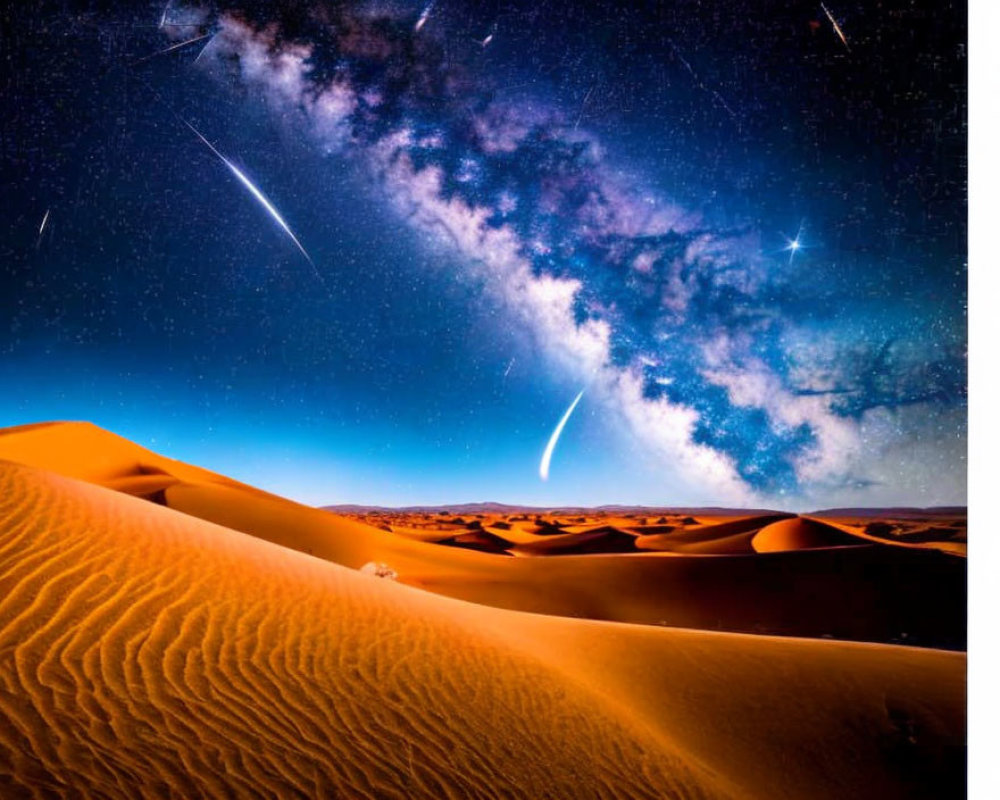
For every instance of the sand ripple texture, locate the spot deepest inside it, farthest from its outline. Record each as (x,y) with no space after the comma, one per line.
(144,653)
(149,653)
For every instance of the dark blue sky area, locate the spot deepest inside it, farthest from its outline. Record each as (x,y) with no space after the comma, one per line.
(597,198)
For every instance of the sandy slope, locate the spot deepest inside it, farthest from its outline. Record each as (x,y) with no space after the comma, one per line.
(799,534)
(872,592)
(146,653)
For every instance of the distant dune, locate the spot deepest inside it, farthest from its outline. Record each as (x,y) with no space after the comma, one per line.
(893,512)
(799,534)
(505,508)
(896,512)
(168,632)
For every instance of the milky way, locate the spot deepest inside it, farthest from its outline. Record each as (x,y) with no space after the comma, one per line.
(687,328)
(649,261)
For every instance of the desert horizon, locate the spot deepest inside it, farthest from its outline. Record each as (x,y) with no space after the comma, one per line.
(166,630)
(486,506)
(431,400)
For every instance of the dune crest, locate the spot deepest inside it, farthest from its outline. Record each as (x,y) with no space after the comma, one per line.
(144,652)
(799,533)
(147,653)
(692,572)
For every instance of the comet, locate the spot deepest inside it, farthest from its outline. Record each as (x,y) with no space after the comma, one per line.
(258,196)
(543,467)
(836,27)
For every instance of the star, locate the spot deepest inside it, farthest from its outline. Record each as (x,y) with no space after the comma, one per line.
(793,245)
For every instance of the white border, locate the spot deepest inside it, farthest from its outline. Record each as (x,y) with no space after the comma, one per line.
(984,391)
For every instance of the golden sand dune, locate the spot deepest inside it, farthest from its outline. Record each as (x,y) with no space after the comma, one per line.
(420,534)
(872,593)
(85,451)
(799,533)
(730,536)
(598,539)
(528,533)
(733,544)
(945,535)
(483,541)
(147,653)
(858,593)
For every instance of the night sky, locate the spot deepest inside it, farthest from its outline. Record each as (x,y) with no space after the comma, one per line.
(742,236)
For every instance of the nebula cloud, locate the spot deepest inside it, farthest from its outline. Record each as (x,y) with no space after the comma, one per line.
(685,330)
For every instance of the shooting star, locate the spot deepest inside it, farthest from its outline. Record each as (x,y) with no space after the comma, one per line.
(701,84)
(510,365)
(202,51)
(41,228)
(171,48)
(583,107)
(836,27)
(543,468)
(484,43)
(259,196)
(423,17)
(163,19)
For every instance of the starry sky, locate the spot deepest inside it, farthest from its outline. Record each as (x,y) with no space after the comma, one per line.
(739,232)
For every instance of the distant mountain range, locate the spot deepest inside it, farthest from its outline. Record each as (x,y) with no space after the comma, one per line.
(457,509)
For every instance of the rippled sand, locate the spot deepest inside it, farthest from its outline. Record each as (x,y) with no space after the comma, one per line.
(145,652)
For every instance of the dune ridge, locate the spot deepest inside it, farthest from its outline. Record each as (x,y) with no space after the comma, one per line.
(874,592)
(148,653)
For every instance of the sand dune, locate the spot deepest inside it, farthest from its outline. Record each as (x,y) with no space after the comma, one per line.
(148,653)
(599,539)
(870,593)
(859,593)
(932,532)
(729,536)
(799,534)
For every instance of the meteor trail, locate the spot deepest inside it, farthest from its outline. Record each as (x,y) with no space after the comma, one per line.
(41,228)
(583,106)
(259,196)
(484,43)
(543,468)
(423,17)
(202,51)
(701,84)
(171,48)
(836,27)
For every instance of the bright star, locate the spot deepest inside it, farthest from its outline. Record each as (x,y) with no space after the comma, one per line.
(794,245)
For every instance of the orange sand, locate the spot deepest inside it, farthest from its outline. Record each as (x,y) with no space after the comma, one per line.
(696,576)
(147,652)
